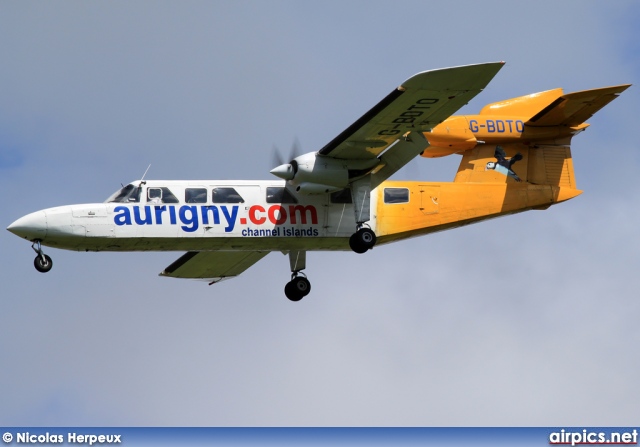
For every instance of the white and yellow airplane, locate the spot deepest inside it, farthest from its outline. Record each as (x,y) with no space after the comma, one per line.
(515,157)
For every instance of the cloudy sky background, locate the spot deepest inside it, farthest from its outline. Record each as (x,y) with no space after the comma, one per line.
(526,320)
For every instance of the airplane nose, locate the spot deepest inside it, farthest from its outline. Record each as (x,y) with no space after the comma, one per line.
(32,226)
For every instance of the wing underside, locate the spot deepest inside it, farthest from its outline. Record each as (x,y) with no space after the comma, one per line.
(419,104)
(213,266)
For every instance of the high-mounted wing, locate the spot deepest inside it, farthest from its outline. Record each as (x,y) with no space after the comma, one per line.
(419,104)
(389,135)
(213,266)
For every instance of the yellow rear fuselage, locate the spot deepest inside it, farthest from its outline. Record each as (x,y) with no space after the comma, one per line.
(442,206)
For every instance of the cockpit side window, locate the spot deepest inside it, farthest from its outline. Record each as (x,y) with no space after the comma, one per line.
(128,194)
(195,195)
(277,194)
(154,195)
(160,195)
(226,195)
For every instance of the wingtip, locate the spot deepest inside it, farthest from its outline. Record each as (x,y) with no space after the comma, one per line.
(482,73)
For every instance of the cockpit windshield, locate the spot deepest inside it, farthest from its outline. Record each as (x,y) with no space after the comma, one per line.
(128,194)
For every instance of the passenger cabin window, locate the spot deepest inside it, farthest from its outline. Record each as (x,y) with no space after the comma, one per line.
(226,195)
(342,196)
(127,194)
(396,195)
(277,194)
(161,195)
(195,195)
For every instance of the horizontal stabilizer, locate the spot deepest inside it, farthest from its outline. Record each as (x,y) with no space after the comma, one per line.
(522,106)
(213,266)
(574,109)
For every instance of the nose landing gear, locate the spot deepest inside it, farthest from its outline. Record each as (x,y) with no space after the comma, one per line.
(42,262)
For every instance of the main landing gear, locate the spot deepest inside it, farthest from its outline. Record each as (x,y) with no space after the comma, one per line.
(42,262)
(298,287)
(362,240)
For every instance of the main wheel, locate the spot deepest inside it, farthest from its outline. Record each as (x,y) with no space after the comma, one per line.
(356,245)
(290,292)
(366,237)
(297,288)
(362,240)
(41,265)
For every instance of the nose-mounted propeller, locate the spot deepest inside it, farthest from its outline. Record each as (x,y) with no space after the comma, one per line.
(286,171)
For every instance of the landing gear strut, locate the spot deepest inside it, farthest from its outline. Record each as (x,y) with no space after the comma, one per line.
(299,286)
(42,262)
(362,240)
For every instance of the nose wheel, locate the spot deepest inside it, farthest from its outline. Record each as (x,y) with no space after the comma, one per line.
(362,240)
(42,262)
(298,287)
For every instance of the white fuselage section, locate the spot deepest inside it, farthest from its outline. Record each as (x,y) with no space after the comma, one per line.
(197,215)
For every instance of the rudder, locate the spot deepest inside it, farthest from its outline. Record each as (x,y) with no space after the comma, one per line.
(540,165)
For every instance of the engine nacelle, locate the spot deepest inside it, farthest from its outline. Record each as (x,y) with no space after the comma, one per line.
(311,173)
(319,170)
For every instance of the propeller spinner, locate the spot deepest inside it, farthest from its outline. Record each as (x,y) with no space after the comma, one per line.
(286,171)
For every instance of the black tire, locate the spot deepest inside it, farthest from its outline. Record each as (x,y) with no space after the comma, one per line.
(291,292)
(366,237)
(301,285)
(297,288)
(43,266)
(356,245)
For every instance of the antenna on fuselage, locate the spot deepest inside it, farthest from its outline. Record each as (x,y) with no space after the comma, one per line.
(143,176)
(142,182)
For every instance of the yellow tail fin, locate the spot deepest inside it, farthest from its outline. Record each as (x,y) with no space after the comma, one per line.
(539,151)
(542,165)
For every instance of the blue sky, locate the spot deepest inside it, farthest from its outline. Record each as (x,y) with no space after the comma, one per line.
(525,320)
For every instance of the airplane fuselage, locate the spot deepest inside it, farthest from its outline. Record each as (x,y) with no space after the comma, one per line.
(516,156)
(262,215)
